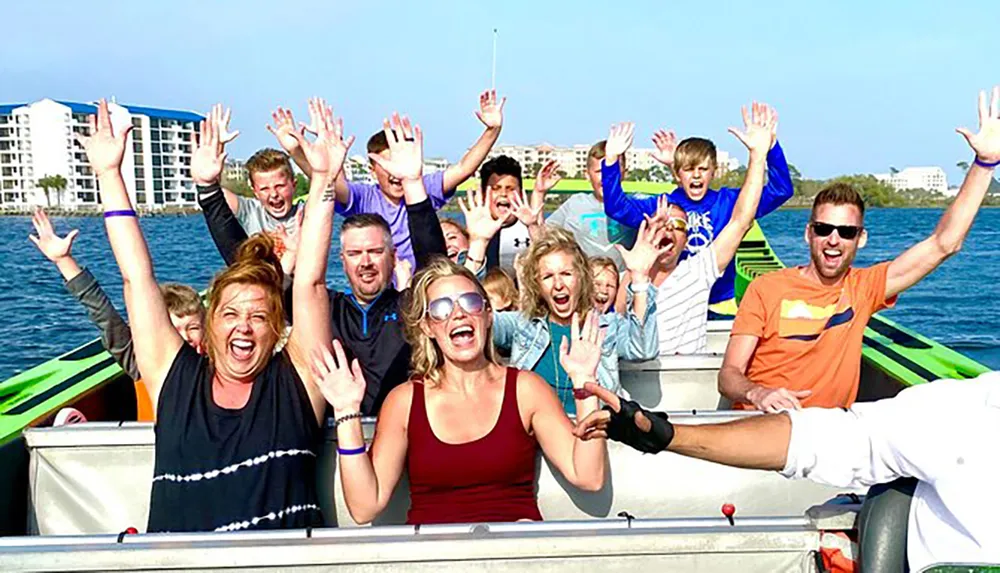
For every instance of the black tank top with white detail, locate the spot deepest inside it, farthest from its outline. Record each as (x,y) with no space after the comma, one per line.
(220,469)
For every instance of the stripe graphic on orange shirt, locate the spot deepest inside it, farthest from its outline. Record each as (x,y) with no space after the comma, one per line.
(800,320)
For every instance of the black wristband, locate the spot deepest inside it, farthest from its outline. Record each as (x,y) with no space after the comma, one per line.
(345,418)
(622,428)
(208,188)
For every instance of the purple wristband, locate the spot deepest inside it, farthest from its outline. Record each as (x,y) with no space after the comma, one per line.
(982,163)
(352,452)
(121,213)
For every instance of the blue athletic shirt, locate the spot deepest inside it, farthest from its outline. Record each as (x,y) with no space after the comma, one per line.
(706,217)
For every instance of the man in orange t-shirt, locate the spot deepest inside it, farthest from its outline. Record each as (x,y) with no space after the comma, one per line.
(796,340)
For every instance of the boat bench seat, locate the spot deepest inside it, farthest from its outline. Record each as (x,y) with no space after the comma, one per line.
(675,383)
(96,478)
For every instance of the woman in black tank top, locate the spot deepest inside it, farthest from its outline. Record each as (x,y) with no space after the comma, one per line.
(238,431)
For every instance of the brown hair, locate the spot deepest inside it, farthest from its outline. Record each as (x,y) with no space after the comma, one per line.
(498,280)
(598,264)
(181,300)
(269,160)
(426,358)
(554,240)
(838,194)
(378,143)
(455,225)
(256,264)
(694,150)
(598,151)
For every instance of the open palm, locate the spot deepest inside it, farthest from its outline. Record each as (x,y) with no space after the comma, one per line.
(665,144)
(758,127)
(342,383)
(406,148)
(619,139)
(51,245)
(284,129)
(104,148)
(490,110)
(644,253)
(580,358)
(479,220)
(986,143)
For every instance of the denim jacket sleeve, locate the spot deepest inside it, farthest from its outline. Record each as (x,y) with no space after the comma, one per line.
(638,340)
(505,325)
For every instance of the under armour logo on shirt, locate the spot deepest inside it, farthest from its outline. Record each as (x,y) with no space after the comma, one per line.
(518,242)
(390,316)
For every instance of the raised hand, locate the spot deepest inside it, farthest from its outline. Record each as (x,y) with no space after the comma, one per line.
(284,129)
(580,361)
(776,399)
(645,252)
(528,213)
(986,143)
(665,143)
(341,383)
(406,149)
(662,214)
(402,272)
(546,179)
(619,140)
(287,243)
(104,148)
(759,127)
(209,155)
(221,119)
(479,221)
(327,153)
(490,112)
(48,242)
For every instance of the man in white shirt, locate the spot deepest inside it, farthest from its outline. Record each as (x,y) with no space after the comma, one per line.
(943,433)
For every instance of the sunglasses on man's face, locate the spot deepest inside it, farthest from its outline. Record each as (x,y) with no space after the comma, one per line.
(441,309)
(848,232)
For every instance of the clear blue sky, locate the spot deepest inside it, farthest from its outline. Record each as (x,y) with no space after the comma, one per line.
(859,85)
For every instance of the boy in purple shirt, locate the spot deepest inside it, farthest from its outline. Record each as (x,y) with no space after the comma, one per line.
(386,196)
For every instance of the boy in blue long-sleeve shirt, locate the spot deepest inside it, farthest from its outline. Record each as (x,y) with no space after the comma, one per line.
(708,210)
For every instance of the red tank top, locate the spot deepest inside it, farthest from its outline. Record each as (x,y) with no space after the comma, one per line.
(489,479)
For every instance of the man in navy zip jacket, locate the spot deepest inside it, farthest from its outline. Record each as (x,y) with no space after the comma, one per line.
(368,318)
(693,164)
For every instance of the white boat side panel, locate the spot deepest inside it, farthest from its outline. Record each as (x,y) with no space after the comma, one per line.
(93,488)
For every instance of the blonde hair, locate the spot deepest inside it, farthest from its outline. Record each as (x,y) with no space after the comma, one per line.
(500,282)
(598,264)
(181,300)
(554,240)
(426,358)
(256,264)
(456,226)
(269,160)
(694,150)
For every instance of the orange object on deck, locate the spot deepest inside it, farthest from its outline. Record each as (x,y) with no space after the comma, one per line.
(143,403)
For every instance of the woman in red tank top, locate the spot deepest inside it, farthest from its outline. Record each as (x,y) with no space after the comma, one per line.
(464,427)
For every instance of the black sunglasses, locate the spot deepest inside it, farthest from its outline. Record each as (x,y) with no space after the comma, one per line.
(441,309)
(844,231)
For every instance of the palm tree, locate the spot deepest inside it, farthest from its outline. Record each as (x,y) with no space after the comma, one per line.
(52,182)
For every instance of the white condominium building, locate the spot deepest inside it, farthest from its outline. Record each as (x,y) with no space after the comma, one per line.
(37,140)
(573,160)
(928,178)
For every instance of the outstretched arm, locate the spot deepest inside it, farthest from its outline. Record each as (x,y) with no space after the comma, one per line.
(581,462)
(155,341)
(946,240)
(115,334)
(623,208)
(779,187)
(491,114)
(311,302)
(757,139)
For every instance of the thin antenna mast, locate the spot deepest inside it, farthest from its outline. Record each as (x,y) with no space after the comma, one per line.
(493,78)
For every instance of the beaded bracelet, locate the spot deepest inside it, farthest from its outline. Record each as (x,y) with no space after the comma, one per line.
(345,418)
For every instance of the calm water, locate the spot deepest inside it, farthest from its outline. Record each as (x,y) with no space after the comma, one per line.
(955,305)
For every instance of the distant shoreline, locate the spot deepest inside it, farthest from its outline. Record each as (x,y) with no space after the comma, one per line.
(60,212)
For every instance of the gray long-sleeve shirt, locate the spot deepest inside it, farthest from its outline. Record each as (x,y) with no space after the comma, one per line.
(115,332)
